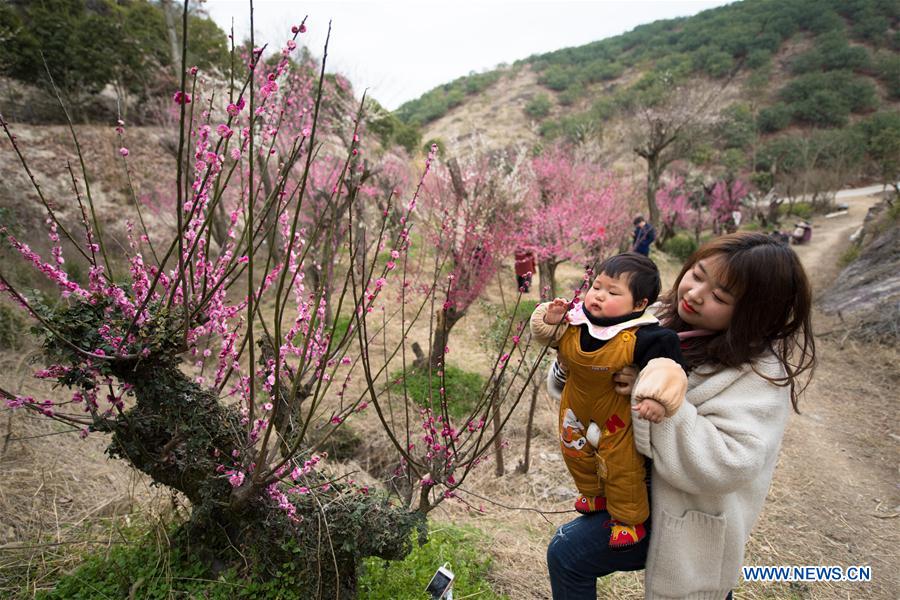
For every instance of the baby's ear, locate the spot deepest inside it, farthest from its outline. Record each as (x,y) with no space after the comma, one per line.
(641,305)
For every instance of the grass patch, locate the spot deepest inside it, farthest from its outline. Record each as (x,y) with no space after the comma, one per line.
(462,388)
(802,210)
(849,255)
(341,325)
(494,338)
(458,546)
(145,566)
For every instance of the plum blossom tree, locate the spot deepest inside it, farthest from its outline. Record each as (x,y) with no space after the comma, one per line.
(672,198)
(573,210)
(725,199)
(211,366)
(469,204)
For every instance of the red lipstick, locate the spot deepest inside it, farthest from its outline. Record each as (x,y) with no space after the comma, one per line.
(687,307)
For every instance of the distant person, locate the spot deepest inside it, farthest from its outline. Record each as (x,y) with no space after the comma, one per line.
(525,266)
(596,339)
(741,308)
(643,236)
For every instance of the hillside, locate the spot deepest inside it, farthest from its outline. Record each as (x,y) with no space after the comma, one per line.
(768,70)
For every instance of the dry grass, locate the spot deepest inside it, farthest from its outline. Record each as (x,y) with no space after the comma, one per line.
(61,496)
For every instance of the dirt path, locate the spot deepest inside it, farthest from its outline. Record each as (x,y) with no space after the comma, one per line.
(835,499)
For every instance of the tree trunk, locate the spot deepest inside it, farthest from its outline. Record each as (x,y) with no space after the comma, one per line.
(698,227)
(219,224)
(654,172)
(274,239)
(666,232)
(525,463)
(184,437)
(547,271)
(444,323)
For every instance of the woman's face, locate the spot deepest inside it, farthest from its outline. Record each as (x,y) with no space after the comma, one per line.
(702,300)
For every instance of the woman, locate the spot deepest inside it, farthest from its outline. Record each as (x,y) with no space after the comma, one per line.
(741,307)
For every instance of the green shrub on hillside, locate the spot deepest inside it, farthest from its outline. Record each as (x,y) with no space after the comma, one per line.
(602,70)
(888,69)
(758,59)
(832,52)
(737,128)
(559,78)
(774,118)
(881,136)
(435,103)
(576,128)
(391,130)
(570,96)
(539,106)
(826,99)
(871,27)
(712,61)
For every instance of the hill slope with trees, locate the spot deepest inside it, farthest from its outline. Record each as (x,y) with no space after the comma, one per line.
(800,94)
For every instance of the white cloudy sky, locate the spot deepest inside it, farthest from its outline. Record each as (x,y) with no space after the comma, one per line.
(399,49)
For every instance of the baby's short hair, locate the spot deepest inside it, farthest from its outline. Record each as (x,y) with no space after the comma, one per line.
(643,281)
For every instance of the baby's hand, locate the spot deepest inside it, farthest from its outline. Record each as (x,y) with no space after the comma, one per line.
(650,409)
(556,312)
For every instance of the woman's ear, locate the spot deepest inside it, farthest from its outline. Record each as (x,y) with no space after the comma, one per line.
(639,306)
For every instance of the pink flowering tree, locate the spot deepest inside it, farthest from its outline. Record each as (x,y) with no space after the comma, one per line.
(726,199)
(672,199)
(573,210)
(469,203)
(212,367)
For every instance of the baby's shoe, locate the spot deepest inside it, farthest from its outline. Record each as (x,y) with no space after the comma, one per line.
(590,504)
(622,536)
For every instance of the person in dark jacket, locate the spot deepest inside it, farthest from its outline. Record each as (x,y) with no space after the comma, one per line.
(644,234)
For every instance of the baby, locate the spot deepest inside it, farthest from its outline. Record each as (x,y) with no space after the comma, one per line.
(596,339)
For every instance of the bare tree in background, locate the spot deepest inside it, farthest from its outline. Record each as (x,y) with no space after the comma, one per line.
(671,119)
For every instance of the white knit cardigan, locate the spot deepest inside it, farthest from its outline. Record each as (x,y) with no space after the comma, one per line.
(712,465)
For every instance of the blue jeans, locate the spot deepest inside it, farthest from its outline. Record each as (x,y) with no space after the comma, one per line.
(579,554)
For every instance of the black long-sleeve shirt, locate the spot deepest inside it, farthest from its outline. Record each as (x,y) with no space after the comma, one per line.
(651,341)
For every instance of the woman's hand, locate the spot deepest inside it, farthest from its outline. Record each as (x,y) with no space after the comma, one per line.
(624,380)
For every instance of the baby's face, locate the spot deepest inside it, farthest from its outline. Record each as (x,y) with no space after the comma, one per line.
(609,297)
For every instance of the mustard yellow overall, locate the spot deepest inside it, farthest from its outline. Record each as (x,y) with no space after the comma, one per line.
(614,469)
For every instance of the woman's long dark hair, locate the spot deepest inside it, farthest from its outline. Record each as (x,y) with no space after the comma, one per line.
(771,313)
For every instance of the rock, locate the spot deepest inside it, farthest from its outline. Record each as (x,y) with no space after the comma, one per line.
(869,287)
